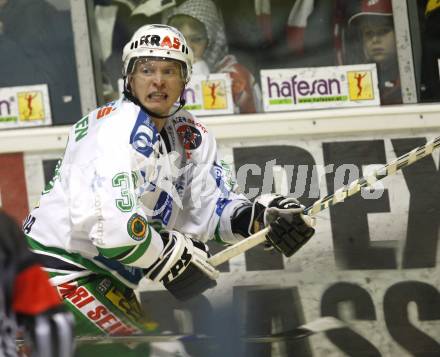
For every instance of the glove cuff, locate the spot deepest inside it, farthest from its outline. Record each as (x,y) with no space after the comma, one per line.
(258,214)
(256,222)
(176,247)
(179,251)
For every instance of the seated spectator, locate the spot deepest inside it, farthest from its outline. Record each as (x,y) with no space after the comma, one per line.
(374,24)
(202,25)
(430,90)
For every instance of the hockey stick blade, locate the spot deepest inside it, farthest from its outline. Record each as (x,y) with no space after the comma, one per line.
(330,200)
(320,325)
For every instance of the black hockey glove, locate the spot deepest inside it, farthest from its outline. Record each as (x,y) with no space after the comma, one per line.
(182,266)
(289,230)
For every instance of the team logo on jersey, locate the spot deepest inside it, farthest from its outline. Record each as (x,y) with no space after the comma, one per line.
(190,136)
(137,227)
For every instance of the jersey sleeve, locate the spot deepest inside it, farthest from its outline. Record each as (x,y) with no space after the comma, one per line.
(103,173)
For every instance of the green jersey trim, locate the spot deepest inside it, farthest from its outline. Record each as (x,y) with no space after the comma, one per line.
(78,260)
(139,251)
(116,253)
(217,237)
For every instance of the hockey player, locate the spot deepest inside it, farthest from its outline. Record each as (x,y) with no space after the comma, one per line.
(28,299)
(138,193)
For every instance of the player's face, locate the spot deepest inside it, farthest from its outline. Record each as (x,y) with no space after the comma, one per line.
(157,84)
(379,41)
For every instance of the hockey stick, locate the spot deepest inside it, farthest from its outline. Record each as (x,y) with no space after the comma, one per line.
(330,200)
(320,325)
(106,339)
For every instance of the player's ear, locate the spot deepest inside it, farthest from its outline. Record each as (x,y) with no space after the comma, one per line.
(183,85)
(130,80)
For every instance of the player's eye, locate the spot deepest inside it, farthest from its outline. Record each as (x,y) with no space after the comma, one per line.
(170,71)
(145,69)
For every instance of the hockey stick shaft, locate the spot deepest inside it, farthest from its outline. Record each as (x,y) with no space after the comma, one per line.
(337,197)
(238,248)
(322,324)
(387,170)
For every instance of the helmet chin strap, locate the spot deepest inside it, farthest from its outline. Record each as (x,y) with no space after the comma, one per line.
(136,101)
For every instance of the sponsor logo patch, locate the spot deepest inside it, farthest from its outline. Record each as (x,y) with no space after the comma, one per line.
(104,286)
(137,227)
(105,110)
(190,136)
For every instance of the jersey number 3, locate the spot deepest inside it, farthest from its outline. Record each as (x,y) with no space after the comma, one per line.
(126,203)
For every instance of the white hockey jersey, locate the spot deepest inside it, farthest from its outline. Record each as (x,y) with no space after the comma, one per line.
(121,182)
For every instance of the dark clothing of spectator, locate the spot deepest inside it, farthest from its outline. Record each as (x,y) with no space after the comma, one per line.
(27,298)
(431,52)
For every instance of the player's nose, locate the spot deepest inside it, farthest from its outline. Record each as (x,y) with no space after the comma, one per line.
(158,78)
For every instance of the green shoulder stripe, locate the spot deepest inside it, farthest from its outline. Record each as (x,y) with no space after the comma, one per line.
(138,251)
(127,254)
(116,253)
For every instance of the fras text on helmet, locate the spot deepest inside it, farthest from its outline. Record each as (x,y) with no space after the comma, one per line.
(156,40)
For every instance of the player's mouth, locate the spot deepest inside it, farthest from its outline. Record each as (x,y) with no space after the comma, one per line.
(157,96)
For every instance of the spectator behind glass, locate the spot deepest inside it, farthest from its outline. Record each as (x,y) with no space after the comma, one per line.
(430,90)
(202,25)
(39,42)
(373,23)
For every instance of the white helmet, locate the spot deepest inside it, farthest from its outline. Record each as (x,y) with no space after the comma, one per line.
(158,41)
